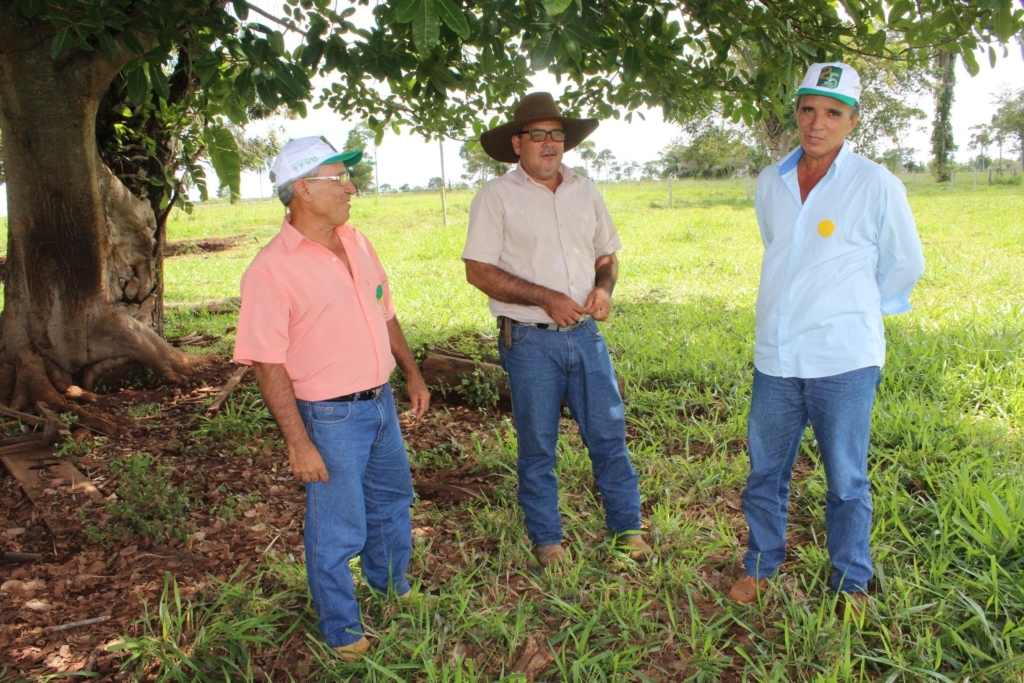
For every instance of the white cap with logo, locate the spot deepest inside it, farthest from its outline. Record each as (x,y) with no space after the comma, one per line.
(833,79)
(302,155)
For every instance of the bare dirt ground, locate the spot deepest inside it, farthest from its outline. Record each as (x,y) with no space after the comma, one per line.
(78,579)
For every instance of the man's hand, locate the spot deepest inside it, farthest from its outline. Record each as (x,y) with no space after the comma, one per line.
(419,395)
(307,463)
(599,304)
(560,308)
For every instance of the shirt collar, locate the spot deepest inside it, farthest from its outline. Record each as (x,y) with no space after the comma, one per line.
(293,238)
(788,164)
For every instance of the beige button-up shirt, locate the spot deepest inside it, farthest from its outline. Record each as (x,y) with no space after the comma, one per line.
(548,238)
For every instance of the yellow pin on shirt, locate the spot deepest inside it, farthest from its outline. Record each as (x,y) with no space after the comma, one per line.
(826,228)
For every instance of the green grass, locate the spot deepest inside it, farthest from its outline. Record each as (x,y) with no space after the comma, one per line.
(946,467)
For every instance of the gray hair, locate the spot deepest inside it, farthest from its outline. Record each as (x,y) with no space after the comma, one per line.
(286,193)
(854,113)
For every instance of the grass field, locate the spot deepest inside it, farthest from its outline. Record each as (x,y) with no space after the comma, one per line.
(947,462)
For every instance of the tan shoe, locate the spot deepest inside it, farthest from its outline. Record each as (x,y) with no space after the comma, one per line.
(747,589)
(355,651)
(856,604)
(637,548)
(549,555)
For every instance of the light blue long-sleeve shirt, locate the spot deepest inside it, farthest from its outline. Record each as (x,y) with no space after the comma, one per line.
(832,266)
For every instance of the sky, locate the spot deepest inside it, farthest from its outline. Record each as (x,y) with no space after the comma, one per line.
(409,159)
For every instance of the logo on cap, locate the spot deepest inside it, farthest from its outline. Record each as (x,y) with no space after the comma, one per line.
(829,77)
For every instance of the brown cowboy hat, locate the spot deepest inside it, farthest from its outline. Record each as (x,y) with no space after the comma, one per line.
(537,106)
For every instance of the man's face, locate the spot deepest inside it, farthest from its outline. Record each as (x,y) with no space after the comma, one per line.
(540,160)
(330,200)
(824,123)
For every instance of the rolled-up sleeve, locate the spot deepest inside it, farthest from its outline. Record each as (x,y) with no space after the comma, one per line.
(262,333)
(900,258)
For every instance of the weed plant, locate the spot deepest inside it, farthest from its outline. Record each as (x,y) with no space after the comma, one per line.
(946,466)
(148,504)
(243,419)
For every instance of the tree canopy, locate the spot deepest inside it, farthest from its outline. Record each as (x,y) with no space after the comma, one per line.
(107,108)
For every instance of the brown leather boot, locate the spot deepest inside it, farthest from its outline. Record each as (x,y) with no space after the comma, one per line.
(855,604)
(549,555)
(355,651)
(636,547)
(747,589)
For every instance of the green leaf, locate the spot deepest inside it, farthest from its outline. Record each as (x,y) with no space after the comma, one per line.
(159,78)
(556,7)
(426,29)
(107,43)
(61,43)
(632,63)
(453,17)
(227,162)
(405,10)
(30,8)
(241,8)
(991,56)
(543,51)
(971,62)
(136,82)
(276,40)
(132,43)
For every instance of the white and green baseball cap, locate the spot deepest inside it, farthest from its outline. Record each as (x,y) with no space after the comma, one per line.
(302,155)
(832,79)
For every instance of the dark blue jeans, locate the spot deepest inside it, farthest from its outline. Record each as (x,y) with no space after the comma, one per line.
(839,410)
(363,510)
(545,366)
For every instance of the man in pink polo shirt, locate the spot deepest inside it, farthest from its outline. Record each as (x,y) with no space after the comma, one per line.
(319,328)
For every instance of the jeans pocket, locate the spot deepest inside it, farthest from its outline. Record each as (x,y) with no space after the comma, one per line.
(520,333)
(327,413)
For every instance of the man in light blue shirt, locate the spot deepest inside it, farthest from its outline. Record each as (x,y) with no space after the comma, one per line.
(841,251)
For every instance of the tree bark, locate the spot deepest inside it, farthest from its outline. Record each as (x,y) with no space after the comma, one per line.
(779,139)
(82,285)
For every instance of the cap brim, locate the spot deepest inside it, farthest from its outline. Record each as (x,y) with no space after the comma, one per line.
(350,159)
(497,142)
(845,99)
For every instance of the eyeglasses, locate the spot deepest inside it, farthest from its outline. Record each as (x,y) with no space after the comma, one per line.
(341,177)
(540,135)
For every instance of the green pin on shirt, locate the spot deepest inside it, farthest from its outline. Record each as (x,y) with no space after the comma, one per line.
(380,292)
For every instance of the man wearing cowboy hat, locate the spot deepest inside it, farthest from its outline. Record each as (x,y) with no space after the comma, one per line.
(841,251)
(542,246)
(318,326)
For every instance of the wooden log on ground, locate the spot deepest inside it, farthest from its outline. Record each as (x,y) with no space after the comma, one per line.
(19,558)
(36,468)
(24,417)
(207,245)
(441,369)
(212,306)
(19,444)
(232,384)
(53,427)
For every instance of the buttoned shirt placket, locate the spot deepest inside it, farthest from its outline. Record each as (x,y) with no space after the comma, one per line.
(798,240)
(353,279)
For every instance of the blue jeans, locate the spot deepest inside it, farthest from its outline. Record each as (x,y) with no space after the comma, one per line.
(363,510)
(839,409)
(545,366)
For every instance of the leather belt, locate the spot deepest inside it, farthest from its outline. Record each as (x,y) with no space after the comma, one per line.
(552,326)
(359,395)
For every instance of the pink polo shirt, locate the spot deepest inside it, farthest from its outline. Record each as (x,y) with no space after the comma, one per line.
(301,307)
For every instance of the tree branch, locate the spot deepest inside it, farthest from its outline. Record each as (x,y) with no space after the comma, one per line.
(277,20)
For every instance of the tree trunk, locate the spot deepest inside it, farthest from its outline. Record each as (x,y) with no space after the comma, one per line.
(82,285)
(779,139)
(942,131)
